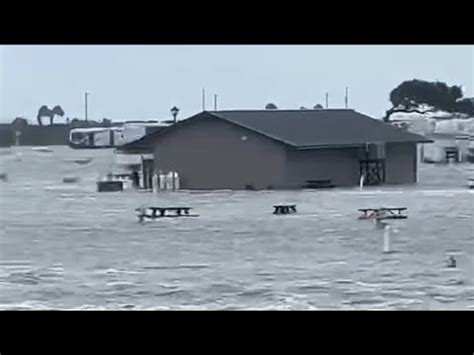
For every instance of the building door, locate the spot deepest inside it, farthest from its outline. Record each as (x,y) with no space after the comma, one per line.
(373,171)
(112,138)
(147,171)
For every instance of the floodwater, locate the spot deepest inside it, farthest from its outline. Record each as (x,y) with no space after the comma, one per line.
(65,246)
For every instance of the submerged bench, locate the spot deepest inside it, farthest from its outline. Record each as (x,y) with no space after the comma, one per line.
(161,212)
(383,213)
(123,176)
(319,184)
(109,186)
(284,209)
(70,179)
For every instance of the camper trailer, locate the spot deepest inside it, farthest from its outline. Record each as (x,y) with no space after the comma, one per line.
(111,137)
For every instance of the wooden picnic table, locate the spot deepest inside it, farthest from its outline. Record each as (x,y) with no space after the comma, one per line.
(159,212)
(383,213)
(284,209)
(162,210)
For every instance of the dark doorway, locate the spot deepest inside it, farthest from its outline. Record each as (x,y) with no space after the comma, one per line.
(373,171)
(147,171)
(112,138)
(452,153)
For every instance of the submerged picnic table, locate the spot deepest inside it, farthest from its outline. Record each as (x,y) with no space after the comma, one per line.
(160,212)
(284,209)
(470,183)
(383,213)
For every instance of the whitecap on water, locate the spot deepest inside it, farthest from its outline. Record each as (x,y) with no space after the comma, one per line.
(179,266)
(445,299)
(363,284)
(443,193)
(121,284)
(26,305)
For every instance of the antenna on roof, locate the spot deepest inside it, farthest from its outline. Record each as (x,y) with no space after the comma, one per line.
(346,98)
(327,100)
(203,99)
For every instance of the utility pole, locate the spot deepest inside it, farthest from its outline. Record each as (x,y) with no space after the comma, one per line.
(215,102)
(346,98)
(86,94)
(327,100)
(203,100)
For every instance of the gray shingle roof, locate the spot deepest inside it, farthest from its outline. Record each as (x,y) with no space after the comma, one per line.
(304,128)
(318,128)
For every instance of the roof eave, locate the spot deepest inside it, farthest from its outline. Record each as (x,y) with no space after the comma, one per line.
(328,146)
(353,145)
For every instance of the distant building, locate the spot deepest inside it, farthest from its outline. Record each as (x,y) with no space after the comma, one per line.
(282,149)
(453,138)
(19,122)
(446,147)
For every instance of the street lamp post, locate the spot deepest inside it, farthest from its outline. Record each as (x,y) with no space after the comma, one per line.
(174,112)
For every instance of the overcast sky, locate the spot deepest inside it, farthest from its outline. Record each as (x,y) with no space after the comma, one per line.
(144,82)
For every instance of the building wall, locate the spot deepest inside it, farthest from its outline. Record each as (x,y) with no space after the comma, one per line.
(400,163)
(211,154)
(436,151)
(341,166)
(33,135)
(6,135)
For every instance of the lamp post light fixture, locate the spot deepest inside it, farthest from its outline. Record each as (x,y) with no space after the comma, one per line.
(174,112)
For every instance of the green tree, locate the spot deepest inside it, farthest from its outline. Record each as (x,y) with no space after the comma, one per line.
(423,96)
(271,106)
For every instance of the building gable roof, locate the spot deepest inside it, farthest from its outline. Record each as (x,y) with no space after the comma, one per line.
(319,128)
(306,129)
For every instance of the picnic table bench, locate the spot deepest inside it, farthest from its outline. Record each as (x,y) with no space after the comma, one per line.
(318,184)
(284,209)
(383,213)
(123,176)
(109,186)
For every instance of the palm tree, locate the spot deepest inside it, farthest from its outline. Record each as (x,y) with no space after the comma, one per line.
(271,106)
(44,111)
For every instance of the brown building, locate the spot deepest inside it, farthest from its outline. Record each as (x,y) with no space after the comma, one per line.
(282,149)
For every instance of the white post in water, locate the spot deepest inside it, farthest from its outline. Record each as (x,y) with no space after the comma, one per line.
(361,182)
(17,138)
(155,183)
(386,239)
